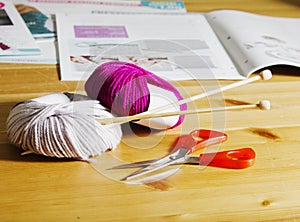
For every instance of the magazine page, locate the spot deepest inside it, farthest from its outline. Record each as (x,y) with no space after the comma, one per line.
(48,54)
(176,47)
(15,38)
(257,41)
(39,15)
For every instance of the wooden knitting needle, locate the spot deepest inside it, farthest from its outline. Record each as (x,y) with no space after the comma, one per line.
(265,75)
(264,105)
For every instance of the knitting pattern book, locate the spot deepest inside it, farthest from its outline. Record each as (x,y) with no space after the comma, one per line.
(176,47)
(15,38)
(39,16)
(223,44)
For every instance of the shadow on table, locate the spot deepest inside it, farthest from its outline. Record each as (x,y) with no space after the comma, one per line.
(293,2)
(284,70)
(9,152)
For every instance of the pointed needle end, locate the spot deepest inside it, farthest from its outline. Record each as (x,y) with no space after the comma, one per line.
(124,179)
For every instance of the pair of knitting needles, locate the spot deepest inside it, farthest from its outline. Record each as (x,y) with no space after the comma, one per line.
(264,104)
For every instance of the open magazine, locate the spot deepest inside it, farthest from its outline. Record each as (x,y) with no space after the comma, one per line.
(15,38)
(255,42)
(39,16)
(221,44)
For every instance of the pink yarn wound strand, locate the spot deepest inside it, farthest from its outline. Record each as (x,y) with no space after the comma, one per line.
(122,87)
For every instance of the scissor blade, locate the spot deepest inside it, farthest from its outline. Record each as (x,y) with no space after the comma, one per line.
(177,157)
(188,160)
(192,160)
(133,165)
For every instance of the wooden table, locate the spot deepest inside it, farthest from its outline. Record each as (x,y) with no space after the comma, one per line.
(35,188)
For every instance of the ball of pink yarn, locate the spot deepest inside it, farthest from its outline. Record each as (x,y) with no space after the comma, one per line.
(122,87)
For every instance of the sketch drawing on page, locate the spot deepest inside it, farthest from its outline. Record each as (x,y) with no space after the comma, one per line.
(155,54)
(276,47)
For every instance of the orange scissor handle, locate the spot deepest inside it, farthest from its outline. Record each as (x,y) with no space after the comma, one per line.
(199,139)
(233,159)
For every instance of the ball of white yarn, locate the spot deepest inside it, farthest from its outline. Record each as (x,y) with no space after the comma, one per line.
(56,126)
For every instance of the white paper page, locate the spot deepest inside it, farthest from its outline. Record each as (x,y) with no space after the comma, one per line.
(15,38)
(48,54)
(175,47)
(257,41)
(39,15)
(50,7)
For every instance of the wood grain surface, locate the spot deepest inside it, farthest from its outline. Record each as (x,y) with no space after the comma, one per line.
(37,188)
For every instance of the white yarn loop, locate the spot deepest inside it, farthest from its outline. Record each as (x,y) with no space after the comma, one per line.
(66,129)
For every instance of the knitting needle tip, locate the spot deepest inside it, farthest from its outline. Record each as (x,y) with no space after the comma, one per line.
(264,105)
(266,74)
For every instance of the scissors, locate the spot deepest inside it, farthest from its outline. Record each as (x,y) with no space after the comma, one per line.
(186,145)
